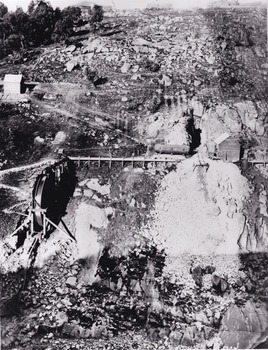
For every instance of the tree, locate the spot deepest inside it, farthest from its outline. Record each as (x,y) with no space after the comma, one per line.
(57,14)
(18,21)
(97,14)
(31,7)
(96,17)
(13,43)
(16,24)
(3,10)
(4,30)
(64,26)
(34,4)
(39,25)
(41,22)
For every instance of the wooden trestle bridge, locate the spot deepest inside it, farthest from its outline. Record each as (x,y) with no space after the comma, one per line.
(142,160)
(132,160)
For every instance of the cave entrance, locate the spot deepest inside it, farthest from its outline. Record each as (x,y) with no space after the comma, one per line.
(194,133)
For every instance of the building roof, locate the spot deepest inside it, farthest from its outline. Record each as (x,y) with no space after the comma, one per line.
(13,78)
(222,138)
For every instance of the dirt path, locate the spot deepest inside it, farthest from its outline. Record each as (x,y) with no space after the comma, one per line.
(26,167)
(14,189)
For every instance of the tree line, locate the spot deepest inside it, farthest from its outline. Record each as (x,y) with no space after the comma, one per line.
(40,25)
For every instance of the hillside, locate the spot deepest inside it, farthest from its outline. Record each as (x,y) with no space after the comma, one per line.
(167,256)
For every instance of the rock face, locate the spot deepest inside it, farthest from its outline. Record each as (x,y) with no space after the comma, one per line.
(246,327)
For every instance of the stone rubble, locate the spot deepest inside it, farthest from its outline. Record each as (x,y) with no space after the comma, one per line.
(156,269)
(142,289)
(198,197)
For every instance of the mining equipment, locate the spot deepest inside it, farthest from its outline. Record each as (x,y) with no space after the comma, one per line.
(55,185)
(171,149)
(51,193)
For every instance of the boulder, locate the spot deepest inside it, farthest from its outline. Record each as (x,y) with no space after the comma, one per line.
(176,312)
(49,97)
(197,83)
(197,275)
(201,317)
(245,327)
(219,283)
(247,112)
(71,282)
(188,337)
(260,52)
(39,140)
(125,68)
(208,332)
(175,338)
(75,331)
(59,138)
(60,318)
(70,48)
(259,127)
(198,108)
(264,66)
(141,41)
(93,45)
(7,341)
(166,80)
(70,65)
(135,68)
(229,117)
(210,59)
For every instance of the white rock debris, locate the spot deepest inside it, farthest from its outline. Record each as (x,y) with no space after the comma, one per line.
(88,218)
(93,184)
(198,208)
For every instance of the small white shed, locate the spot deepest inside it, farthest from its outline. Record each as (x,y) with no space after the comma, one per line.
(13,84)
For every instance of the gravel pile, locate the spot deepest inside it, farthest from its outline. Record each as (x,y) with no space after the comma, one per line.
(199,208)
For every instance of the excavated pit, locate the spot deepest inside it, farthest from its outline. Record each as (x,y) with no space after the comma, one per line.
(167,257)
(124,275)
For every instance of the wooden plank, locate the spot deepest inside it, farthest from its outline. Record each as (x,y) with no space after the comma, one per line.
(130,159)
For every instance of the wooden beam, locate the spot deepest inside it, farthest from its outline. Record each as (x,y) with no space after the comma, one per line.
(128,159)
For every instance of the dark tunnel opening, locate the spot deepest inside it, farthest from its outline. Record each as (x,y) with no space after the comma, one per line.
(194,134)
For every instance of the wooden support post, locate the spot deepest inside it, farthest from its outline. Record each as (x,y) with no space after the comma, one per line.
(122,162)
(60,229)
(20,227)
(79,162)
(32,222)
(99,163)
(110,162)
(44,225)
(132,162)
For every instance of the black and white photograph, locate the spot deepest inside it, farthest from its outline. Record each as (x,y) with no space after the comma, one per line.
(133,174)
